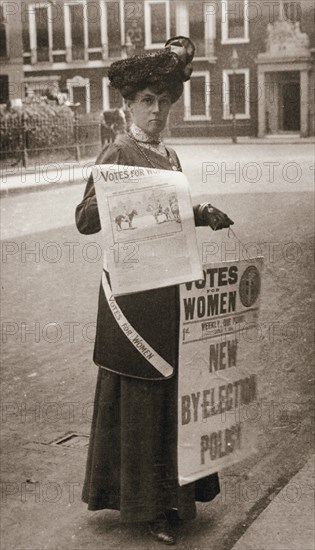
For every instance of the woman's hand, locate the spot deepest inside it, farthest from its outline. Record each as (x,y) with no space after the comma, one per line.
(209,215)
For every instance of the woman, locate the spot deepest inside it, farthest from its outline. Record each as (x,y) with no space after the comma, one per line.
(132,463)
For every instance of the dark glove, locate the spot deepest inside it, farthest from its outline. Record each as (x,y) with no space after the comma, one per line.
(210,215)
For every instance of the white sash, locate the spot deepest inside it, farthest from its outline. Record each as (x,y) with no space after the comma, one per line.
(135,339)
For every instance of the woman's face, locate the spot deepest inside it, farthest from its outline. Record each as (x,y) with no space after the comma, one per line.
(150,110)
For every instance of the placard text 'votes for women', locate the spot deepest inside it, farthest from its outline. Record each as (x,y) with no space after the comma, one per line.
(217,378)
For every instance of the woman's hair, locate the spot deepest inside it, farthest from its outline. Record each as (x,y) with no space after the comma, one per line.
(174,89)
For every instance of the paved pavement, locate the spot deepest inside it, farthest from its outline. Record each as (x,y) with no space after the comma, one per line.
(288,522)
(42,175)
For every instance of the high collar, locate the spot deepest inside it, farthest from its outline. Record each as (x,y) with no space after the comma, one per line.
(141,136)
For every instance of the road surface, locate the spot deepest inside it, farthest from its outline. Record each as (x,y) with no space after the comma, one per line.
(50,279)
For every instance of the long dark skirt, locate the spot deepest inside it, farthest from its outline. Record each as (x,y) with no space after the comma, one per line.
(132,464)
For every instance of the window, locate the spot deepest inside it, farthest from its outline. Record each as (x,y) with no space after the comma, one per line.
(3,35)
(41,18)
(114,19)
(132,27)
(76,30)
(4,88)
(197,26)
(157,23)
(40,29)
(79,92)
(197,20)
(58,30)
(111,97)
(197,96)
(291,11)
(236,94)
(235,22)
(94,24)
(36,86)
(79,96)
(26,40)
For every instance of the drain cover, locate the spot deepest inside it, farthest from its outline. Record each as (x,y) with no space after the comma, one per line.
(72,440)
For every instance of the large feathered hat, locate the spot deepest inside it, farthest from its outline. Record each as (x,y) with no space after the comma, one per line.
(166,69)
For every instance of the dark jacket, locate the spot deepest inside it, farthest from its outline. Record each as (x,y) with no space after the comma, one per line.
(155,313)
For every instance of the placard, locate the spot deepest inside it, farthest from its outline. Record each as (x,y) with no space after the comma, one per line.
(217,385)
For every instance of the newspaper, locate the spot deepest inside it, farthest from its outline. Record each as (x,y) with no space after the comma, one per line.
(217,386)
(149,232)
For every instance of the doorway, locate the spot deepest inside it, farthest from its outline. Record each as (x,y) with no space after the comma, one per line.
(79,96)
(289,103)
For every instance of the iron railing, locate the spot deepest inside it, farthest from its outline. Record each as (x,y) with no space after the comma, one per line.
(24,139)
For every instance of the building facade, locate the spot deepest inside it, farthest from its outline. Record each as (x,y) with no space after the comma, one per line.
(254,59)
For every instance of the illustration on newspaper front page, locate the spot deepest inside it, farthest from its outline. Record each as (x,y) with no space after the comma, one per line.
(149,231)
